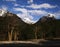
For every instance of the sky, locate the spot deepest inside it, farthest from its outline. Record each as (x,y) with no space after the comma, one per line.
(32,10)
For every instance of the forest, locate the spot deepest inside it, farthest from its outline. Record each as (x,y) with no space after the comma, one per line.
(12,28)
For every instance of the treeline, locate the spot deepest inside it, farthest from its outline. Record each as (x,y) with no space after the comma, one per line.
(13,28)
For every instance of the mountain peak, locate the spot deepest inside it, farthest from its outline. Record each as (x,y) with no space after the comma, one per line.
(28,21)
(2,12)
(50,15)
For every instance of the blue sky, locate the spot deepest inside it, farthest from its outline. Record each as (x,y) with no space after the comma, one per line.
(32,10)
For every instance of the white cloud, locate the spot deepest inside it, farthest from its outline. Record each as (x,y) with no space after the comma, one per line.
(57,15)
(9,0)
(24,15)
(24,12)
(27,15)
(4,7)
(15,4)
(30,1)
(44,5)
(38,12)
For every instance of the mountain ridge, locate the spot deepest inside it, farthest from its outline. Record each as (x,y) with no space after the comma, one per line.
(14,28)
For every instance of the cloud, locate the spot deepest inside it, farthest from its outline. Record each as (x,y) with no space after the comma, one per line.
(9,0)
(25,18)
(57,15)
(15,4)
(44,5)
(19,5)
(30,1)
(27,15)
(4,7)
(24,15)
(37,12)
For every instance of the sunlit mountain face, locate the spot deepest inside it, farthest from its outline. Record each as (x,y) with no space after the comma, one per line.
(2,12)
(30,11)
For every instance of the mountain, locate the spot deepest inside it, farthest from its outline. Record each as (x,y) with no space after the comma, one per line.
(48,27)
(49,17)
(2,12)
(10,24)
(13,27)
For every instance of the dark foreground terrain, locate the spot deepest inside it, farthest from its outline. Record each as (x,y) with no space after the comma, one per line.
(49,43)
(27,45)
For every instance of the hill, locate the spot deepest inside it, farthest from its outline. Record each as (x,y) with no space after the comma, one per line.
(14,28)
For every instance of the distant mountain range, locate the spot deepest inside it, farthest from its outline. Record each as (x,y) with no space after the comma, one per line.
(14,28)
